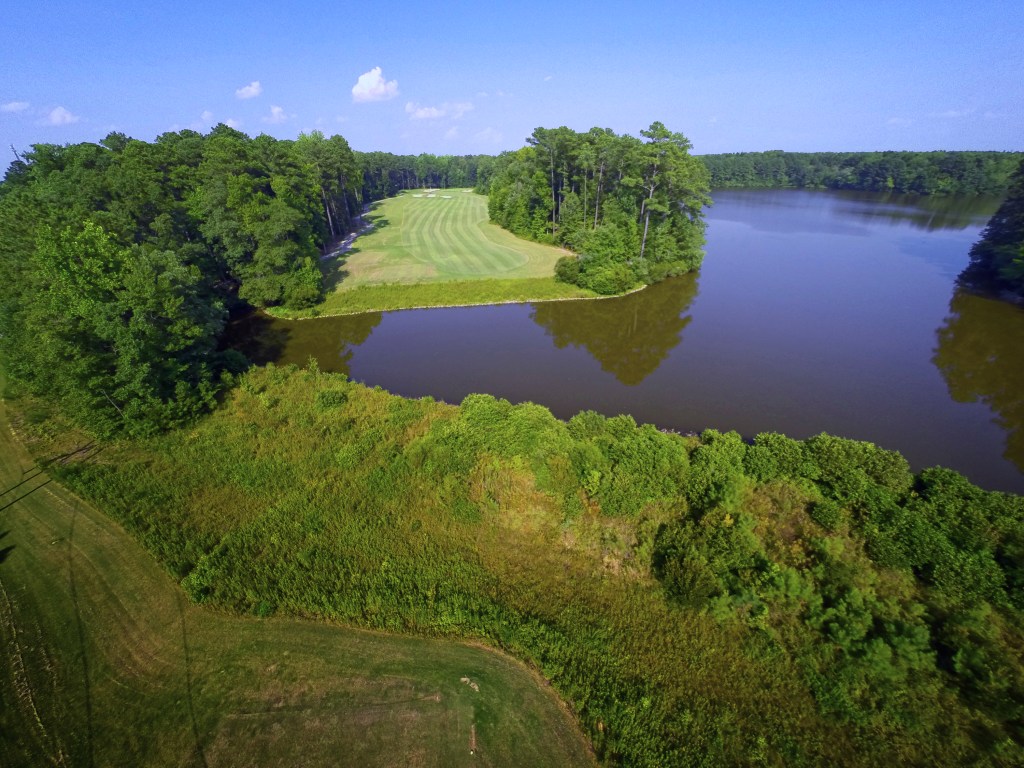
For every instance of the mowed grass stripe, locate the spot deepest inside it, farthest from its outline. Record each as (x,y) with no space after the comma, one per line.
(491,260)
(440,239)
(472,259)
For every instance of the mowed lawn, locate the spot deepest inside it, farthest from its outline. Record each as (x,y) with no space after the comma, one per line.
(437,248)
(104,662)
(422,236)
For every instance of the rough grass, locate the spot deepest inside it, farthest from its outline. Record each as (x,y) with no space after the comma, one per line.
(438,251)
(104,662)
(348,503)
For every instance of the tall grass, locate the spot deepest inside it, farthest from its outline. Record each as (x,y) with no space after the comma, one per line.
(684,601)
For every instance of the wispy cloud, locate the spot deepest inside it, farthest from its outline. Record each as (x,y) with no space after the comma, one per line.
(60,116)
(371,86)
(207,116)
(277,115)
(14,106)
(250,91)
(953,114)
(899,122)
(452,110)
(232,123)
(416,112)
(489,135)
(452,133)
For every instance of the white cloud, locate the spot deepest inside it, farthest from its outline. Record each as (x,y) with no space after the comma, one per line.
(548,78)
(250,91)
(277,115)
(232,123)
(14,106)
(899,122)
(207,116)
(490,135)
(453,110)
(452,133)
(371,86)
(422,113)
(60,116)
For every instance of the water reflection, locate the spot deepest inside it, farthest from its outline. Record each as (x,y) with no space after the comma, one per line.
(979,355)
(330,340)
(847,212)
(930,213)
(629,336)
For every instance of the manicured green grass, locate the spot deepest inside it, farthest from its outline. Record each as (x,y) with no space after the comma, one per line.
(438,250)
(105,662)
(416,237)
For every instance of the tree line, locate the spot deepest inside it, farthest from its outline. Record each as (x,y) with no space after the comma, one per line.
(120,260)
(385,174)
(922,173)
(630,208)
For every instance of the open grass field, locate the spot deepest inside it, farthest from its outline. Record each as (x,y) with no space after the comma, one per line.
(421,239)
(104,662)
(422,235)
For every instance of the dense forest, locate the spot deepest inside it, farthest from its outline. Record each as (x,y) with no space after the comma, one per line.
(631,209)
(998,258)
(922,173)
(121,259)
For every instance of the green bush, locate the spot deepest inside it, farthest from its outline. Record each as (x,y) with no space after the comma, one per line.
(716,470)
(827,513)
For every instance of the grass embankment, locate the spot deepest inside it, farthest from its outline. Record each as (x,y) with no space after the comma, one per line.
(437,249)
(697,602)
(105,662)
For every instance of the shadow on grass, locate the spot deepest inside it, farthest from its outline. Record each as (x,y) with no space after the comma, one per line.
(5,553)
(187,650)
(335,271)
(28,475)
(80,627)
(82,453)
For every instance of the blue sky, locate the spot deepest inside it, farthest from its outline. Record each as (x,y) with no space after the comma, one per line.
(469,77)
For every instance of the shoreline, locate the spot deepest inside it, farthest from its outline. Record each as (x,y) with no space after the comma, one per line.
(449,306)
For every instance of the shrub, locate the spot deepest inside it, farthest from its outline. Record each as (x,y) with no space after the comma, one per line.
(827,513)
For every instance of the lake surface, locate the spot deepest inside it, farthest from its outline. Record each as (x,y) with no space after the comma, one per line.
(814,311)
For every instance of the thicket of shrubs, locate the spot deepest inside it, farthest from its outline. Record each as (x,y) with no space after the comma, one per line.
(696,601)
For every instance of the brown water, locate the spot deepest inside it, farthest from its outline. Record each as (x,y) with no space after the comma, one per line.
(814,311)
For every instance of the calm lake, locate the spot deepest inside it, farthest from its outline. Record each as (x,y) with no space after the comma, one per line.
(814,311)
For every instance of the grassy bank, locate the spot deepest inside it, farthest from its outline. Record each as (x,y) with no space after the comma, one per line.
(697,602)
(379,298)
(106,662)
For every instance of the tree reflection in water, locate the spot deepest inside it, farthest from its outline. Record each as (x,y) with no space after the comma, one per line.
(628,336)
(330,340)
(979,353)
